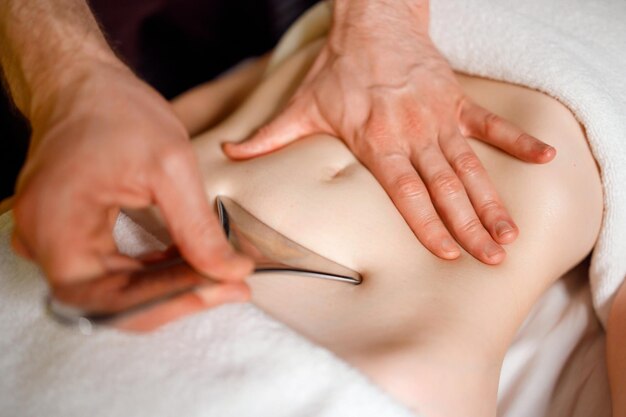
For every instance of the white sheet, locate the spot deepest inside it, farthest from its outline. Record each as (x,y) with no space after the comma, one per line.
(556,365)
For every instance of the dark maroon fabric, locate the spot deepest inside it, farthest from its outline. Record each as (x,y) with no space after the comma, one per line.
(173,45)
(14,133)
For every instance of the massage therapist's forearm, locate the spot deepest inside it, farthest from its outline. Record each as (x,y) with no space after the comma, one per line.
(47,45)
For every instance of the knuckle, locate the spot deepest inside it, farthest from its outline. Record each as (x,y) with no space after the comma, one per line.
(425,147)
(430,222)
(378,154)
(472,226)
(205,229)
(174,158)
(465,106)
(413,120)
(467,164)
(522,140)
(488,206)
(467,114)
(375,143)
(492,123)
(377,130)
(408,186)
(446,183)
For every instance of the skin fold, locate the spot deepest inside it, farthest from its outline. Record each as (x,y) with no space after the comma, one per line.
(432,333)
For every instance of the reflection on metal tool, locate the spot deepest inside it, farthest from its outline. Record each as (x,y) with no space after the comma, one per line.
(112,297)
(274,252)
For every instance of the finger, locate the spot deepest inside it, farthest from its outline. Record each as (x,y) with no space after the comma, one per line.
(65,253)
(490,128)
(284,129)
(480,189)
(405,188)
(206,297)
(452,203)
(19,247)
(117,292)
(194,227)
(149,258)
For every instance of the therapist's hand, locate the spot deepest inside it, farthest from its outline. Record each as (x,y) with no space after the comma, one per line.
(381,86)
(109,141)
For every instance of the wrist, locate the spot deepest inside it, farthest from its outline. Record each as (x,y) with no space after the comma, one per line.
(373,15)
(57,82)
(381,37)
(59,90)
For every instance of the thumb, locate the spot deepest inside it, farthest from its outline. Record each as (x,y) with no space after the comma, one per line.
(194,227)
(289,126)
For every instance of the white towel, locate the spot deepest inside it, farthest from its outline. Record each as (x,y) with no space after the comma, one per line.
(237,361)
(230,361)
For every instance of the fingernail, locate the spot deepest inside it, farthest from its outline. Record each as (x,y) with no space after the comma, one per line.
(449,246)
(548,150)
(503,227)
(544,150)
(492,250)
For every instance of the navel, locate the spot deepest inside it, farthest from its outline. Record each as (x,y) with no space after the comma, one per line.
(336,173)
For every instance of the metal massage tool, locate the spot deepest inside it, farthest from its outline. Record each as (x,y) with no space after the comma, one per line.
(111,297)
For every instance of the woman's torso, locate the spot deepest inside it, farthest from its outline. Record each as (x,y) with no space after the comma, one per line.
(415,319)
